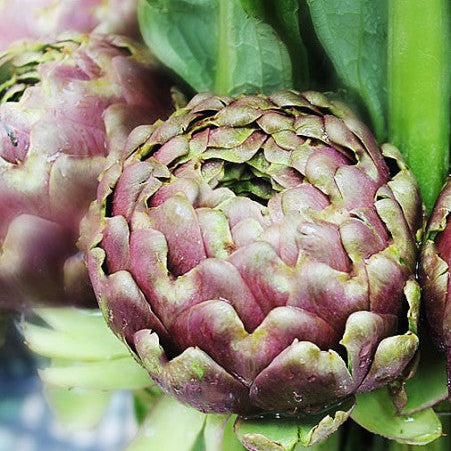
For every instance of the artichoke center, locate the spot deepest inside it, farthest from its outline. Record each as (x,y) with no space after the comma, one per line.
(244,180)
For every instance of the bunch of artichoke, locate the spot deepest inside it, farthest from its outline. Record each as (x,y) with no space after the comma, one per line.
(66,106)
(50,18)
(257,254)
(435,274)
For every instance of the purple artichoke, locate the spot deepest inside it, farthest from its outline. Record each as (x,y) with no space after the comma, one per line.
(65,106)
(435,277)
(256,254)
(37,19)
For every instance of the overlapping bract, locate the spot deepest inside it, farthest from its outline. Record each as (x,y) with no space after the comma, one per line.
(256,254)
(65,107)
(37,19)
(435,273)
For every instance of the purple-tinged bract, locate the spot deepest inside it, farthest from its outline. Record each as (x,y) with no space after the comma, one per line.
(256,253)
(435,266)
(66,106)
(24,20)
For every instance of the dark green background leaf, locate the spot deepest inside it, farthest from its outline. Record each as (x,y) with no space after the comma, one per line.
(375,412)
(216,46)
(283,16)
(428,386)
(353,33)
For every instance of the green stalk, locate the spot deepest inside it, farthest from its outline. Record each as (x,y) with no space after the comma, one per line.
(419,89)
(225,53)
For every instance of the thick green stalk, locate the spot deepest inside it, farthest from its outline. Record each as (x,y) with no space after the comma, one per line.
(418,89)
(225,52)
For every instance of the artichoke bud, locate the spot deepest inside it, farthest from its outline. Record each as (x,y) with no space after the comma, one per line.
(435,277)
(66,109)
(256,254)
(36,19)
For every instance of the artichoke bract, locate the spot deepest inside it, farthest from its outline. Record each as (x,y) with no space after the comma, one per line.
(435,274)
(257,253)
(66,106)
(36,19)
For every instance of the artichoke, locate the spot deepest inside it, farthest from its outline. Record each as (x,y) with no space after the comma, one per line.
(35,19)
(256,254)
(435,274)
(65,106)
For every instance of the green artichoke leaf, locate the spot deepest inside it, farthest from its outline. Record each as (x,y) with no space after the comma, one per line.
(143,401)
(118,374)
(283,15)
(77,409)
(274,435)
(178,427)
(429,384)
(353,34)
(287,434)
(219,433)
(216,46)
(83,351)
(72,334)
(376,412)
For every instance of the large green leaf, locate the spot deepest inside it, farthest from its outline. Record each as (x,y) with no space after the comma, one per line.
(441,444)
(353,33)
(283,16)
(280,435)
(219,433)
(87,363)
(375,412)
(288,434)
(172,426)
(429,384)
(77,409)
(73,334)
(85,356)
(118,374)
(216,45)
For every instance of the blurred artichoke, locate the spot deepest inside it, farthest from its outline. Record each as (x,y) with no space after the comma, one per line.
(435,274)
(64,107)
(256,254)
(35,19)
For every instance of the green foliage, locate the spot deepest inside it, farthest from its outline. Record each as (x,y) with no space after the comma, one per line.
(217,46)
(287,434)
(173,426)
(376,413)
(87,363)
(353,33)
(429,384)
(391,59)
